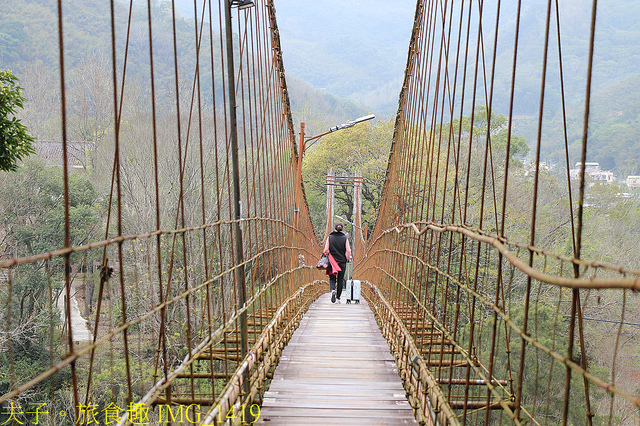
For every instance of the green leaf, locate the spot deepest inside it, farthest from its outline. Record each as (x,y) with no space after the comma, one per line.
(15,140)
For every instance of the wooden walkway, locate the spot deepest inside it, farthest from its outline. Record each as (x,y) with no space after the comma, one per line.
(336,370)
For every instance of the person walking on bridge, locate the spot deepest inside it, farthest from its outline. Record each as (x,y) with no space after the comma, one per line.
(338,246)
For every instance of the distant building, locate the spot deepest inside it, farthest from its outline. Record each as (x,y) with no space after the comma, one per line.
(594,171)
(80,154)
(633,181)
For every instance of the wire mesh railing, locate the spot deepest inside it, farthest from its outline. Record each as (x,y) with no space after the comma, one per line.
(195,274)
(480,249)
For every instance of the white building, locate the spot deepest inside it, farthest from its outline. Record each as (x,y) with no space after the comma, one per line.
(633,181)
(592,170)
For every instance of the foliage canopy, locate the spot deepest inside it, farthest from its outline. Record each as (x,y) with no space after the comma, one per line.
(15,140)
(362,148)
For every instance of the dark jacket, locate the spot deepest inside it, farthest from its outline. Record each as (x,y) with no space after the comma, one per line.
(338,246)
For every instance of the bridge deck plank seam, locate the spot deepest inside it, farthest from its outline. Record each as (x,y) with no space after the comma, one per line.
(336,369)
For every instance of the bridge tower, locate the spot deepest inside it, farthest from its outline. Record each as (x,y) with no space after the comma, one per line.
(355,180)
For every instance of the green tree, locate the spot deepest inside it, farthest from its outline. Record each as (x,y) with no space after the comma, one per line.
(31,222)
(32,209)
(544,376)
(15,141)
(498,133)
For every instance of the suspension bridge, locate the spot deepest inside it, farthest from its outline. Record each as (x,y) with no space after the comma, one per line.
(467,317)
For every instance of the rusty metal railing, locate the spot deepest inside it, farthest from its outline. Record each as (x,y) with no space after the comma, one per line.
(458,332)
(425,396)
(492,258)
(195,272)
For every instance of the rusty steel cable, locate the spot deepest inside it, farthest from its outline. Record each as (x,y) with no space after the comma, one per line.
(177,297)
(470,271)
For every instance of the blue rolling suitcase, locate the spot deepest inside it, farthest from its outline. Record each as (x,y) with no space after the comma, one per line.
(352,291)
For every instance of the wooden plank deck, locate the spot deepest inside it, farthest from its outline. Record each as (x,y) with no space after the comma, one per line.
(336,370)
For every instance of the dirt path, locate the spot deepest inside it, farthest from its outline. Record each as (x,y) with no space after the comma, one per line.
(80,330)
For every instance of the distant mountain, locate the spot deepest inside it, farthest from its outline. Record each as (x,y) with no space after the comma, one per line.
(319,110)
(350,49)
(357,50)
(613,130)
(354,49)
(615,100)
(29,30)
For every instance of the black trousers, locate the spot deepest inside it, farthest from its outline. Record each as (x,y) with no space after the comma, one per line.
(339,278)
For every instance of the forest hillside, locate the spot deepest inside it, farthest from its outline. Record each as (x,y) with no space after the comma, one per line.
(339,67)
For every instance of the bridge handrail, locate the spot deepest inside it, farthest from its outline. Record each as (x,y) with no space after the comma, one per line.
(122,238)
(86,349)
(163,383)
(432,410)
(501,244)
(552,353)
(233,390)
